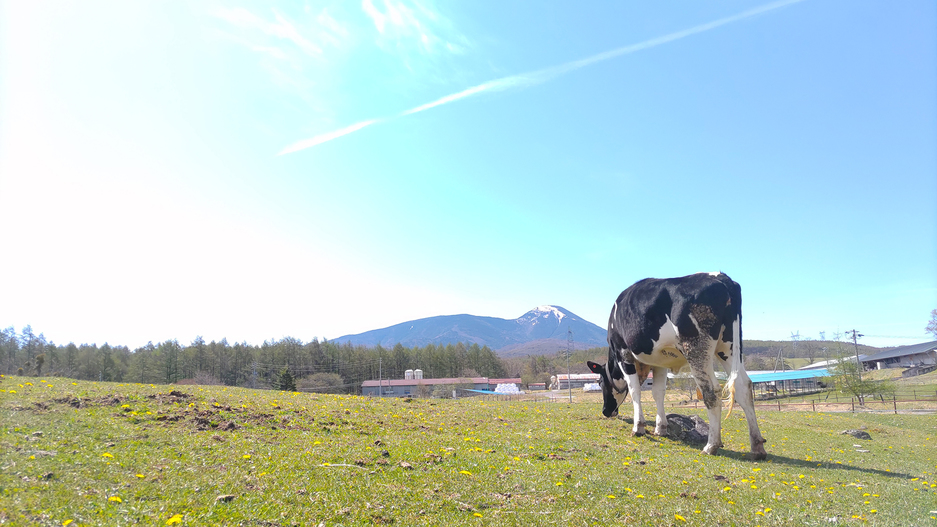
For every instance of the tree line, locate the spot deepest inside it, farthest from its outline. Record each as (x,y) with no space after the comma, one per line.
(315,365)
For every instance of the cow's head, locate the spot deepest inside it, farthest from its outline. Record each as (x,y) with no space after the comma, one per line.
(614,386)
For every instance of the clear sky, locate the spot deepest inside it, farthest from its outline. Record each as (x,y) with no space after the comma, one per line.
(255,170)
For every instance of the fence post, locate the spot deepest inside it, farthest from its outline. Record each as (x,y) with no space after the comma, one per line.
(779,405)
(814,405)
(852,401)
(895,402)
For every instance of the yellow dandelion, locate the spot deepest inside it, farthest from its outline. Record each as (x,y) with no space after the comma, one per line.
(246,456)
(141,476)
(466,472)
(611,496)
(115,499)
(67,522)
(477,515)
(176,518)
(678,517)
(106,454)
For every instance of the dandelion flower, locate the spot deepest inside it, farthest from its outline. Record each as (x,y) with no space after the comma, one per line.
(106,454)
(466,472)
(115,499)
(176,518)
(246,456)
(678,517)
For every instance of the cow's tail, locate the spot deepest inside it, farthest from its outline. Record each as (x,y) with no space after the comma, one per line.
(729,388)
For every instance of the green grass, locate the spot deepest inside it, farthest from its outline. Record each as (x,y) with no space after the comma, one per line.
(69,450)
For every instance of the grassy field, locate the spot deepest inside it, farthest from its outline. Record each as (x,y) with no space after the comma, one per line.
(82,453)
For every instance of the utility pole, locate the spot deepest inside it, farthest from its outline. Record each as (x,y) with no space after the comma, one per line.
(855,336)
(569,351)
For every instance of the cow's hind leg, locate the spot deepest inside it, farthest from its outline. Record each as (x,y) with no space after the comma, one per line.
(745,398)
(700,358)
(658,390)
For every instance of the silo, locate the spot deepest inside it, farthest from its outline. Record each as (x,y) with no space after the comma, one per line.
(408,374)
(419,374)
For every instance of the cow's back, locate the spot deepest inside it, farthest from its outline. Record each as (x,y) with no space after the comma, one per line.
(641,312)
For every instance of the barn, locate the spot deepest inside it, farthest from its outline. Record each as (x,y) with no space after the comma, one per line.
(420,387)
(575,380)
(923,356)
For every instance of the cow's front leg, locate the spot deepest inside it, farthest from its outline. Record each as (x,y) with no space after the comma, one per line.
(659,390)
(634,387)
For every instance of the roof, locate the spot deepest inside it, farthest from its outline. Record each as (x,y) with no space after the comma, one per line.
(903,351)
(789,375)
(504,381)
(832,362)
(579,377)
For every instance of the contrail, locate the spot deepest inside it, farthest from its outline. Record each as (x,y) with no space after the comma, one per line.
(322,138)
(533,78)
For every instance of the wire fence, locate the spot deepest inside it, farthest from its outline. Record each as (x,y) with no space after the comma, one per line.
(905,401)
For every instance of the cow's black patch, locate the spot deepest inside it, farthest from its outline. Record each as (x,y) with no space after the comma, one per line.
(630,369)
(723,356)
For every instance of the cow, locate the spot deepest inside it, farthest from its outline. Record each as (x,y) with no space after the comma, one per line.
(661,324)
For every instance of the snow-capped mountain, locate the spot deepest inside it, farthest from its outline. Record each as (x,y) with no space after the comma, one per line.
(540,330)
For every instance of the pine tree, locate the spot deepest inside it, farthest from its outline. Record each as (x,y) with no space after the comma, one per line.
(285,381)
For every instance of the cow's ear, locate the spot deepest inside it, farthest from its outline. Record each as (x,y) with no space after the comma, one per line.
(596,368)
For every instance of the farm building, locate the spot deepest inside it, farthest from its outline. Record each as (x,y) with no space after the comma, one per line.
(577,380)
(924,354)
(417,386)
(773,383)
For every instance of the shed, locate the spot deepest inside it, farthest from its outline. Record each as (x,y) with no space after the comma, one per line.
(924,354)
(772,383)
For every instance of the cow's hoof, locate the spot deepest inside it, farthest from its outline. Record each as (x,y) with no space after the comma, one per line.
(660,431)
(759,453)
(710,450)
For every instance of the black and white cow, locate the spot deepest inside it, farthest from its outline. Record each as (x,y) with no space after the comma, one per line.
(660,324)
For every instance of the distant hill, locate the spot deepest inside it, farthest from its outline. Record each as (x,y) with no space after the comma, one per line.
(540,331)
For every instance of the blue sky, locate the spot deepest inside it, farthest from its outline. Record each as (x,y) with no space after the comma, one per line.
(252,170)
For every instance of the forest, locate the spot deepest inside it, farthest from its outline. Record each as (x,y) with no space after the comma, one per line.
(316,366)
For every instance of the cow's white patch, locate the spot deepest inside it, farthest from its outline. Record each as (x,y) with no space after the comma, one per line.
(714,274)
(667,351)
